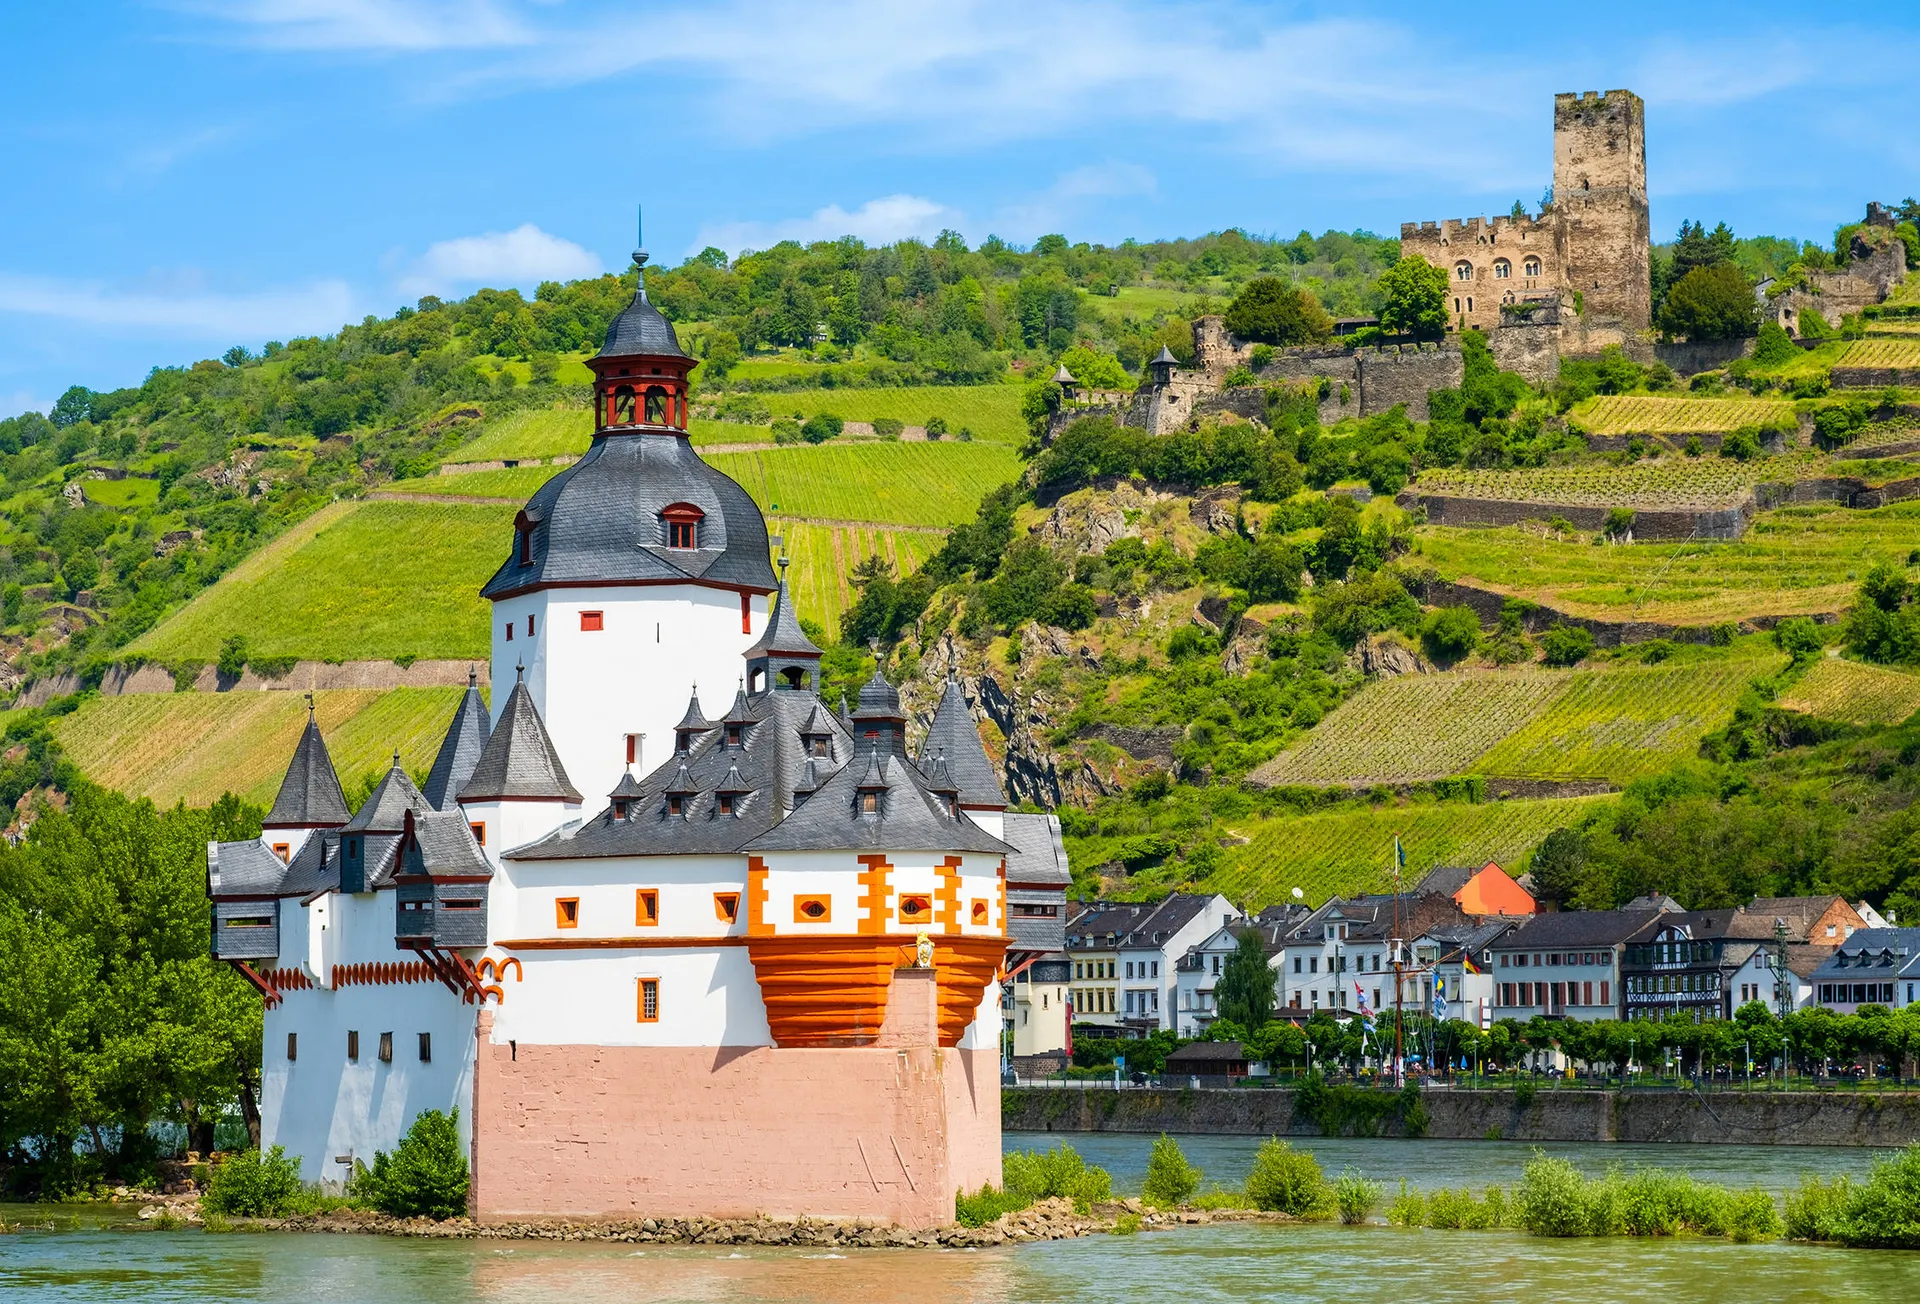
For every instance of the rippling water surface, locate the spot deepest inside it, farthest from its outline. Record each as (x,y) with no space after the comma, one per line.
(90,1257)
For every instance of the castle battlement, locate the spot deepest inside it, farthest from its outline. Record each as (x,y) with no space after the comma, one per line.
(1590,103)
(1480,230)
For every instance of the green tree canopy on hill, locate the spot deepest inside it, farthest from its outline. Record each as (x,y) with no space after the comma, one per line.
(1711,303)
(1245,990)
(1415,293)
(1271,311)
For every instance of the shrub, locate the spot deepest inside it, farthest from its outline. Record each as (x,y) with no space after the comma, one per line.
(1356,1197)
(1694,446)
(1055,1174)
(1449,633)
(1552,1199)
(786,431)
(425,1176)
(1815,1212)
(1754,1216)
(1566,645)
(1884,1211)
(1171,1180)
(1619,523)
(820,427)
(1269,310)
(985,1205)
(233,657)
(936,427)
(1742,445)
(888,427)
(1799,638)
(1407,1209)
(1285,1180)
(253,1185)
(1774,346)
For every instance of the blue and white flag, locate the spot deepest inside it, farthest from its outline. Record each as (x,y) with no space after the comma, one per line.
(1439,997)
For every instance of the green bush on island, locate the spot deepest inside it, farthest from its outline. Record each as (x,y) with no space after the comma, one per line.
(1031,1175)
(1356,1197)
(1171,1180)
(1556,1199)
(1882,1212)
(253,1185)
(1285,1180)
(425,1176)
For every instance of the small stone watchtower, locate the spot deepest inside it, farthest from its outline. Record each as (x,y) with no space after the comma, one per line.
(1600,204)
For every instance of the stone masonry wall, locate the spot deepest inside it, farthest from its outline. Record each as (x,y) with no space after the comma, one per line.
(1682,1117)
(1600,204)
(887,1132)
(1649,525)
(1489,262)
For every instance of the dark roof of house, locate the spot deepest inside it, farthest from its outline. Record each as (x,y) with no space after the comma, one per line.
(1208,1052)
(310,795)
(954,736)
(385,809)
(1374,917)
(459,751)
(240,869)
(693,719)
(1872,953)
(441,844)
(1748,923)
(640,329)
(1165,355)
(1447,879)
(1468,937)
(1039,850)
(519,760)
(1132,926)
(784,637)
(599,521)
(909,818)
(1577,928)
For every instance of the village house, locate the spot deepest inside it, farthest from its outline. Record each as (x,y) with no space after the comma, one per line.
(1346,951)
(1564,965)
(1461,968)
(1125,957)
(1876,966)
(1199,970)
(1486,891)
(1688,962)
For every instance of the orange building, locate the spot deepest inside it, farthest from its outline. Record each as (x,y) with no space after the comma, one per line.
(1485,892)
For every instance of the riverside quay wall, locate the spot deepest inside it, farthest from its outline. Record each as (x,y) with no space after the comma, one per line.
(1862,1118)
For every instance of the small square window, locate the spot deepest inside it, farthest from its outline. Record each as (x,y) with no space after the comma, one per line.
(509,631)
(646,907)
(386,1048)
(649,1011)
(813,910)
(915,909)
(676,806)
(725,803)
(284,850)
(293,1046)
(479,830)
(353,1047)
(426,1048)
(869,803)
(566,912)
(726,906)
(592,622)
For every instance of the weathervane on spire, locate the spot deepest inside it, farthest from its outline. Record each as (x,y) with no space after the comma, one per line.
(640,247)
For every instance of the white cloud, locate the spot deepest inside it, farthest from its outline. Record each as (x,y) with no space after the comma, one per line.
(183,308)
(525,255)
(878,221)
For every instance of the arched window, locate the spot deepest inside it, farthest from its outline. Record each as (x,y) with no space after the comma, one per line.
(1463,270)
(1502,269)
(1532,267)
(656,406)
(1469,303)
(682,525)
(623,405)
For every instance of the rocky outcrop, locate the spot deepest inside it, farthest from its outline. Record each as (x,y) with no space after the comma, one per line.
(1090,519)
(1387,658)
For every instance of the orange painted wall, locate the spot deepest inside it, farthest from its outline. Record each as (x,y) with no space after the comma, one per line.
(1493,891)
(888,1131)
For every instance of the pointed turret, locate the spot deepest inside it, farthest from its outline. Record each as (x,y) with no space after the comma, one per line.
(310,795)
(519,762)
(784,658)
(459,750)
(955,739)
(385,809)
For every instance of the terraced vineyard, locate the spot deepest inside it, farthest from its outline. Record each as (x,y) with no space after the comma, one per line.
(1620,724)
(1414,727)
(1652,414)
(356,581)
(1795,560)
(1852,693)
(566,432)
(1676,482)
(1349,852)
(193,747)
(824,556)
(1882,353)
(992,412)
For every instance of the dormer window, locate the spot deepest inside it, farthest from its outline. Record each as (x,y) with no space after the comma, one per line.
(619,810)
(869,803)
(953,805)
(733,735)
(682,522)
(523,540)
(676,807)
(820,745)
(725,803)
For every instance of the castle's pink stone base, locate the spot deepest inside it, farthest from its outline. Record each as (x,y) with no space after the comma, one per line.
(887,1132)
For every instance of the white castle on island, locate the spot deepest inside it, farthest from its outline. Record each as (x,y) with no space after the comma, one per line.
(763,976)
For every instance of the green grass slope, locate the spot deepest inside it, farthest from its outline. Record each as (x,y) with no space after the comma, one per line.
(1351,851)
(193,747)
(359,581)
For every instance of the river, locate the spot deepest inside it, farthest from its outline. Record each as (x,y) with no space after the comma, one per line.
(89,1255)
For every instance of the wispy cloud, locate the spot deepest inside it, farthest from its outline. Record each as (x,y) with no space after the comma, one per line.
(370,26)
(878,221)
(525,255)
(182,309)
(1060,202)
(161,154)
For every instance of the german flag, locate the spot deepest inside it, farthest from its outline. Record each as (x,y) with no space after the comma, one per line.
(1466,962)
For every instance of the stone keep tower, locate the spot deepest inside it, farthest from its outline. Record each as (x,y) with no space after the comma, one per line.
(1600,201)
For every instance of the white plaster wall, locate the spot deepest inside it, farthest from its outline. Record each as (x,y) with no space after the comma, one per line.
(320,1106)
(708,997)
(632,676)
(1040,1025)
(993,821)
(294,838)
(797,874)
(511,824)
(525,892)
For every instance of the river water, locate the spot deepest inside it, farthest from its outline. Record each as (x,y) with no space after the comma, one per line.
(89,1256)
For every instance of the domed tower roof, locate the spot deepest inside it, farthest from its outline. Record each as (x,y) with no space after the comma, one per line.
(610,517)
(640,329)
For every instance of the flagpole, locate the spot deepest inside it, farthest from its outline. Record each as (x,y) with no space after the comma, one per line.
(1399,968)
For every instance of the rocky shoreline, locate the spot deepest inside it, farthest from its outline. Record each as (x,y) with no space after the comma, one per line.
(1046,1220)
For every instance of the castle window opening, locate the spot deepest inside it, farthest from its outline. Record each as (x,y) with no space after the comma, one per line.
(1463,270)
(293,1046)
(820,746)
(530,626)
(913,909)
(726,803)
(683,525)
(386,1048)
(353,1047)
(1469,303)
(479,830)
(509,631)
(812,910)
(566,912)
(592,622)
(426,1048)
(283,850)
(726,906)
(1502,269)
(979,912)
(1532,267)
(794,677)
(869,803)
(675,806)
(646,907)
(525,542)
(649,1011)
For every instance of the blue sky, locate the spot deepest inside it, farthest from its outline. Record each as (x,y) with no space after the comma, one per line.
(183,175)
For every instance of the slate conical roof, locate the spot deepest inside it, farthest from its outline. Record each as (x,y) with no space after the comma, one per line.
(459,750)
(310,796)
(640,329)
(385,809)
(519,760)
(693,719)
(1166,355)
(955,738)
(879,700)
(784,637)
